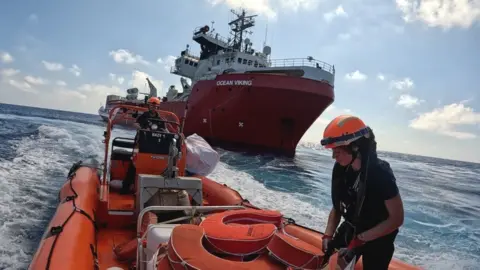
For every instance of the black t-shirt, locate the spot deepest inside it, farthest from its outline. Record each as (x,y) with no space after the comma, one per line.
(380,186)
(145,123)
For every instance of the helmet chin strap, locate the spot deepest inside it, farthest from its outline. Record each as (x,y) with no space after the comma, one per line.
(354,151)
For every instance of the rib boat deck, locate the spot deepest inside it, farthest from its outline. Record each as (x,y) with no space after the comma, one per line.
(107,240)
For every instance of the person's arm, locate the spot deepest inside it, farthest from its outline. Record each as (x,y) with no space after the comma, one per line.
(385,183)
(393,222)
(332,223)
(139,120)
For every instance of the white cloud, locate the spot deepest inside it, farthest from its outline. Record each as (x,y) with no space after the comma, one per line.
(99,89)
(168,62)
(9,72)
(6,58)
(35,80)
(444,120)
(75,70)
(296,5)
(409,101)
(87,97)
(71,95)
(22,85)
(25,90)
(139,80)
(118,79)
(404,84)
(338,12)
(329,108)
(269,8)
(52,66)
(61,83)
(315,132)
(124,56)
(356,76)
(381,77)
(441,13)
(258,6)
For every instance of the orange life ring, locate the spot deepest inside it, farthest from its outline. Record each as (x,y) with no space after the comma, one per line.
(163,263)
(295,252)
(186,251)
(250,234)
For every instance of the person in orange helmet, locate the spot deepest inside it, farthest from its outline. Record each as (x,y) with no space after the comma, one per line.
(364,193)
(142,121)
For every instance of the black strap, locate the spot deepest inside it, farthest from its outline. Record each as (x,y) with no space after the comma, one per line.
(56,231)
(362,186)
(95,257)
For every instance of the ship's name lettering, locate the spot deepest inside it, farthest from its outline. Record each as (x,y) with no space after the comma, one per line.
(234,82)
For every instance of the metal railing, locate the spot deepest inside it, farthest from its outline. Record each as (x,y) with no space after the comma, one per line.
(194,209)
(212,35)
(174,69)
(292,62)
(189,55)
(288,62)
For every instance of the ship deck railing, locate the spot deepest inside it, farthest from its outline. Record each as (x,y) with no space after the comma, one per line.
(275,63)
(211,34)
(297,62)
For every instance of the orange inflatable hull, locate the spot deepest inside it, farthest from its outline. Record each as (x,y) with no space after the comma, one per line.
(69,241)
(226,238)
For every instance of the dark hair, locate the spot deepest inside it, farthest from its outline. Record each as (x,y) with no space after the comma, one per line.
(366,145)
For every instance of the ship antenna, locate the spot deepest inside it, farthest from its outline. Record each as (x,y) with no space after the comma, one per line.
(239,25)
(266,32)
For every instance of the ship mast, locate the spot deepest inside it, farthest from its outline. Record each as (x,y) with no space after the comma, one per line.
(238,27)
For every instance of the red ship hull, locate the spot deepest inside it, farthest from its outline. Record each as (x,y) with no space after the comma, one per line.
(266,112)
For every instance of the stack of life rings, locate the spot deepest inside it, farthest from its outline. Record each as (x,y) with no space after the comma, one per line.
(238,239)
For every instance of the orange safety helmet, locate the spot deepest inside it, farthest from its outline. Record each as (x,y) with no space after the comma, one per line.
(154,100)
(343,130)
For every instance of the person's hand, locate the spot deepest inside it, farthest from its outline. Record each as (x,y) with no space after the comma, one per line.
(326,242)
(348,253)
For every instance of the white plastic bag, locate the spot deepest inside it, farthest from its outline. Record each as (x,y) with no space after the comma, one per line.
(201,158)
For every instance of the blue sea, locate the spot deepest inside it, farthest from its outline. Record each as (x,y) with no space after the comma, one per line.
(38,146)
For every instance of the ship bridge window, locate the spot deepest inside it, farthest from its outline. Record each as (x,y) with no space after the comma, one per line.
(186,61)
(255,64)
(190,63)
(249,62)
(239,60)
(195,64)
(244,61)
(218,62)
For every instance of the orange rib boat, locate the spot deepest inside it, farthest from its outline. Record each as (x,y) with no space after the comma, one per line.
(170,221)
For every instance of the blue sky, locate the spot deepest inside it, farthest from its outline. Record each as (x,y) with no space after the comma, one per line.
(410,69)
